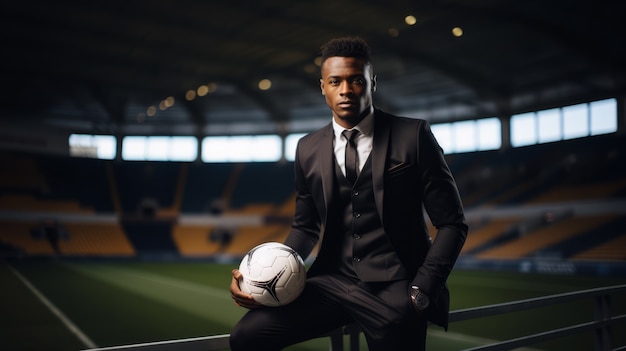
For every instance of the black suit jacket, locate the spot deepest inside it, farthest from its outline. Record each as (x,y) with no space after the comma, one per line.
(409,175)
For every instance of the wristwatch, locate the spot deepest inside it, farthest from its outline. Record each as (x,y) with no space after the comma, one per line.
(419,298)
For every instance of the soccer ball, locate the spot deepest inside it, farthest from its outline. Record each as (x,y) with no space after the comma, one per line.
(273,274)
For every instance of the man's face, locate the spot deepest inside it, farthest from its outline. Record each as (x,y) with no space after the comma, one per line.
(347,84)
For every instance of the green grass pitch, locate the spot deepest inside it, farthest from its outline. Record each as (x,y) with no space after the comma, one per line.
(116,303)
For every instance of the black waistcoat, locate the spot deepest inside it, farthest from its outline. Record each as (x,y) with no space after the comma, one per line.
(366,253)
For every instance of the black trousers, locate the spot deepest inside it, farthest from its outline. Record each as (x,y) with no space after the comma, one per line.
(382,310)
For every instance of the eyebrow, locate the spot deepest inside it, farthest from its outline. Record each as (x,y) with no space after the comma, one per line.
(352,76)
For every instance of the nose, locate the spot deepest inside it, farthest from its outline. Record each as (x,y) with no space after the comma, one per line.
(345,88)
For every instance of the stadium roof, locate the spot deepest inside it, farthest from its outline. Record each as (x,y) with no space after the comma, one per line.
(98,66)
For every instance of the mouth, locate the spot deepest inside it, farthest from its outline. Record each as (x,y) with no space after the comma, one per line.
(346,104)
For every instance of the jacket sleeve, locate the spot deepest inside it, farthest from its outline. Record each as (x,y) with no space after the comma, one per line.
(443,205)
(305,229)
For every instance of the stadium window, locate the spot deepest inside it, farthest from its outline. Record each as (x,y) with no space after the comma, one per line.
(159,148)
(183,149)
(489,134)
(464,135)
(261,148)
(549,125)
(581,120)
(156,148)
(468,136)
(603,116)
(133,148)
(443,134)
(93,146)
(575,121)
(291,143)
(523,129)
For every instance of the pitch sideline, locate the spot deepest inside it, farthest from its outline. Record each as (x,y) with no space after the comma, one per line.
(64,319)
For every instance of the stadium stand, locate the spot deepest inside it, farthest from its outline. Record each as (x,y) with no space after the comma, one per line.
(20,238)
(82,180)
(150,237)
(144,202)
(612,250)
(261,182)
(247,237)
(195,241)
(89,239)
(21,174)
(534,242)
(264,209)
(205,186)
(288,207)
(31,204)
(606,242)
(488,232)
(145,184)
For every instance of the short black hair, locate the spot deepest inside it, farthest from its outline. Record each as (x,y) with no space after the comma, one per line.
(346,47)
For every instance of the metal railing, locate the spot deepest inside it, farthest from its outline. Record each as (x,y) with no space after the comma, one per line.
(601,324)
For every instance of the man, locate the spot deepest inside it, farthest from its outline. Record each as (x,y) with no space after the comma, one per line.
(376,265)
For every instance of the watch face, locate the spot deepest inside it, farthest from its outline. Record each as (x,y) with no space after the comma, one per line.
(420,300)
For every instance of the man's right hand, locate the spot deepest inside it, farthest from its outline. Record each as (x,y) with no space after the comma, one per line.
(239,297)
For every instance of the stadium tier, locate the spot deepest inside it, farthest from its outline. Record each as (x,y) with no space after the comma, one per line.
(486,233)
(95,239)
(611,250)
(195,240)
(528,243)
(17,238)
(201,210)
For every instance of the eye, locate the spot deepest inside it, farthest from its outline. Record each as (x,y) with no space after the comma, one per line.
(358,81)
(333,82)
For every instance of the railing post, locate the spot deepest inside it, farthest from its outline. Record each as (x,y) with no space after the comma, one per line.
(337,337)
(602,313)
(336,340)
(353,330)
(354,340)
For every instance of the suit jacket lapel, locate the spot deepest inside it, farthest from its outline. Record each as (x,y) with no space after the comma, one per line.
(327,168)
(379,157)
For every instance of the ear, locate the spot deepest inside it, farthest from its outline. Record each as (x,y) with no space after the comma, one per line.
(373,84)
(322,86)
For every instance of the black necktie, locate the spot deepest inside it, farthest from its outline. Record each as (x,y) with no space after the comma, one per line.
(352,159)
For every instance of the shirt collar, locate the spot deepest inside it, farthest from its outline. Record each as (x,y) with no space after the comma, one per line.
(365,126)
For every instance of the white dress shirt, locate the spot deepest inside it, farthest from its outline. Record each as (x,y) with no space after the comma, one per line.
(363,141)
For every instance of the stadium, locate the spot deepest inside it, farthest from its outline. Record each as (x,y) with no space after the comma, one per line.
(146,146)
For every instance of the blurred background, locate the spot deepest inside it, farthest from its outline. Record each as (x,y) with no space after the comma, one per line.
(164,131)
